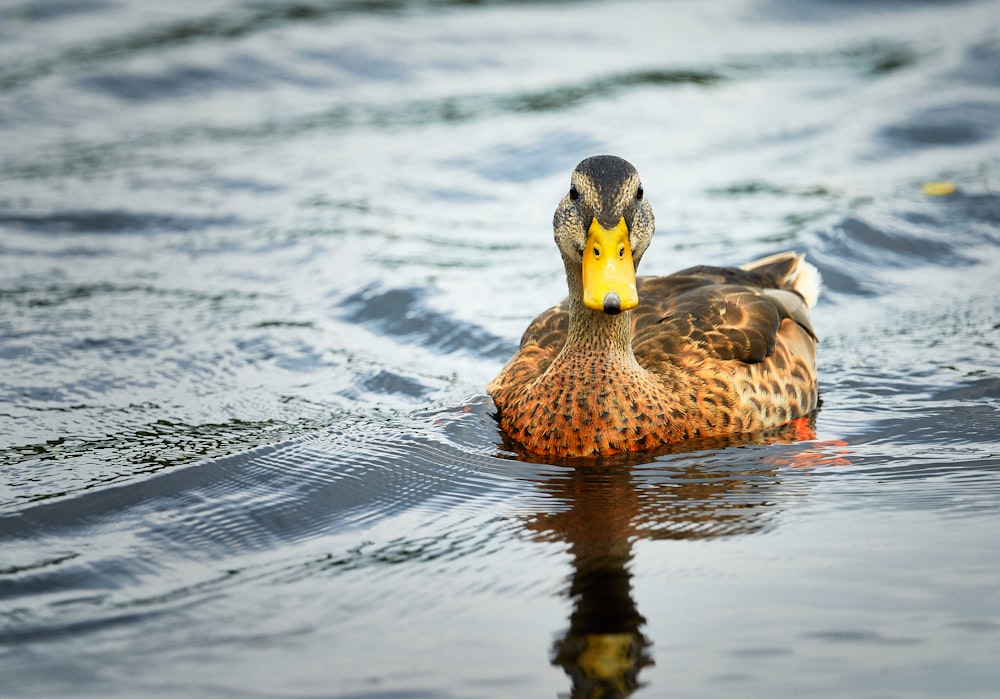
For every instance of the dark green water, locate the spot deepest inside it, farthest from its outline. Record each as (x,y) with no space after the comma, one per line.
(259,261)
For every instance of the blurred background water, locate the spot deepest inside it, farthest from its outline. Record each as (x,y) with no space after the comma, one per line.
(258,262)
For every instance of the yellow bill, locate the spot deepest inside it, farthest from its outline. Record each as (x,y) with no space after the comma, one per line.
(608,272)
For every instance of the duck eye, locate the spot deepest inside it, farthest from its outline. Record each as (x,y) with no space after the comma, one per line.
(573,193)
(638,192)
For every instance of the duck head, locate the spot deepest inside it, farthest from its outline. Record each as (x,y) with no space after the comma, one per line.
(602,226)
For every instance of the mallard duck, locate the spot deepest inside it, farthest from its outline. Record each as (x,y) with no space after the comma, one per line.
(629,364)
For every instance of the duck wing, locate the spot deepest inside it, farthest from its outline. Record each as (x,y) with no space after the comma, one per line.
(716,313)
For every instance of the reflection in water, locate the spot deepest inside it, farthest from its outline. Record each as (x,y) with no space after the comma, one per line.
(603,509)
(604,649)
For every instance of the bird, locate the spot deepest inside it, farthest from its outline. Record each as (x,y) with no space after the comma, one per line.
(629,363)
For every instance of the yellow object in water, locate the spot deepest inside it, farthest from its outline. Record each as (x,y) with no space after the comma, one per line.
(939,189)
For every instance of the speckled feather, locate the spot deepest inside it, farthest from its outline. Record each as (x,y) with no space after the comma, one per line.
(713,356)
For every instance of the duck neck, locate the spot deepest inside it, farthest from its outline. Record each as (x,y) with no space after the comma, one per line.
(593,331)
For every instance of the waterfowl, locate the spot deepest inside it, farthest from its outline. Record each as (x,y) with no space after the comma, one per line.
(630,363)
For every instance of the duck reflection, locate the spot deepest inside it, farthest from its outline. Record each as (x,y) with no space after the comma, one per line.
(604,648)
(601,510)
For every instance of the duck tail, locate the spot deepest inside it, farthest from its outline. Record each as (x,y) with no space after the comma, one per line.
(792,272)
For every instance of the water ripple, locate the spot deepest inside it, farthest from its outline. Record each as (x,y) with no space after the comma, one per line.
(114,221)
(224,26)
(403,314)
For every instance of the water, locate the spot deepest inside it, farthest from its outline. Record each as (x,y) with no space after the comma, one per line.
(259,261)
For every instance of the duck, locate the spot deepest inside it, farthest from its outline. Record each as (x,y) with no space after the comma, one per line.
(629,363)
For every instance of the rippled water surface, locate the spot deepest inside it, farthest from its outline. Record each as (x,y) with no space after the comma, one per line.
(258,262)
